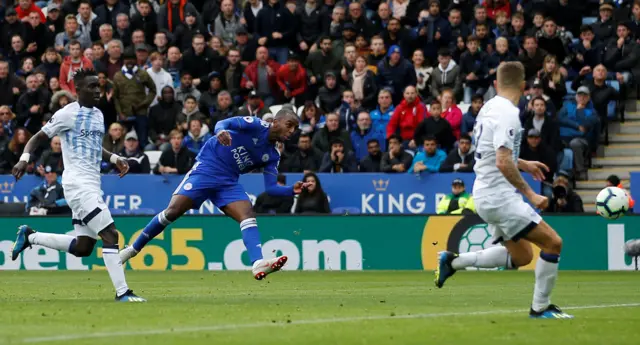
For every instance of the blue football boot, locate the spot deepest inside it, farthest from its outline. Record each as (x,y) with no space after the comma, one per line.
(22,241)
(444,270)
(551,312)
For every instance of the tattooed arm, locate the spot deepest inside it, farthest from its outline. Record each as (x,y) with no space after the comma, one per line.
(508,168)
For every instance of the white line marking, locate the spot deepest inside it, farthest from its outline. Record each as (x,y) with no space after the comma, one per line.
(226,327)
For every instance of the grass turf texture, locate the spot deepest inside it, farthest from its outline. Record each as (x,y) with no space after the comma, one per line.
(314,308)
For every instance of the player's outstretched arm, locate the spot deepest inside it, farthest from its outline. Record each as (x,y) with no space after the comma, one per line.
(508,168)
(121,163)
(272,187)
(32,144)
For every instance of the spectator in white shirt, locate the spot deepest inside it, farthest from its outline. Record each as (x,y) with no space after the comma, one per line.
(160,77)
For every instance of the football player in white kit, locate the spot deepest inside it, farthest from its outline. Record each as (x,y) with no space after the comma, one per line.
(515,224)
(80,126)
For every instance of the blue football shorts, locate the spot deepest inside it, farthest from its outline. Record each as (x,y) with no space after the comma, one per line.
(200,185)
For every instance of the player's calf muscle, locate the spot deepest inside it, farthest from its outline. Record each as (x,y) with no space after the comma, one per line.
(84,246)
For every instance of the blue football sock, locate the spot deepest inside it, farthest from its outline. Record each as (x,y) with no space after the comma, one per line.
(251,239)
(153,229)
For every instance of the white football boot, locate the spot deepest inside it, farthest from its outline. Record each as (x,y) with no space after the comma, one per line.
(127,253)
(264,267)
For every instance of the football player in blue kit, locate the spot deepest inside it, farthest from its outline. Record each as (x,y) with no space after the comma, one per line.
(240,145)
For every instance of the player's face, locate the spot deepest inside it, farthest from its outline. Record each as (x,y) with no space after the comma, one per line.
(283,129)
(89,93)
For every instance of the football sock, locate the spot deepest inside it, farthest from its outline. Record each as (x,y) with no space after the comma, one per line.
(497,256)
(546,275)
(153,229)
(114,267)
(60,242)
(251,239)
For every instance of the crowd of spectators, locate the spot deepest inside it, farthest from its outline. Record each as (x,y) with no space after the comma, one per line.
(380,86)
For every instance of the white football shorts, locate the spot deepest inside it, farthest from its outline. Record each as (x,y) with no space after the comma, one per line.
(90,214)
(508,216)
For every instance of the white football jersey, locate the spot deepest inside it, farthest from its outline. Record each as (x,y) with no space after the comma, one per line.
(81,131)
(497,125)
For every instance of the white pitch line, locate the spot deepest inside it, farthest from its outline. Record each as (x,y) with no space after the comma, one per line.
(226,327)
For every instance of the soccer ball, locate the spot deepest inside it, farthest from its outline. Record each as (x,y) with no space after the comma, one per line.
(612,203)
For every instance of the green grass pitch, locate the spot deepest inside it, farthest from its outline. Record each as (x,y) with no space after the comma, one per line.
(192,308)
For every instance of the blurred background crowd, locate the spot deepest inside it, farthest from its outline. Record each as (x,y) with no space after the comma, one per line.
(380,86)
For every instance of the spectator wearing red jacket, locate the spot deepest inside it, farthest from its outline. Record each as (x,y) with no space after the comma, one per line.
(292,80)
(495,6)
(263,68)
(71,64)
(451,112)
(27,6)
(408,114)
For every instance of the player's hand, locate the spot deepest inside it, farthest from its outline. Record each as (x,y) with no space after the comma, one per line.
(539,201)
(537,170)
(19,169)
(299,186)
(224,138)
(123,166)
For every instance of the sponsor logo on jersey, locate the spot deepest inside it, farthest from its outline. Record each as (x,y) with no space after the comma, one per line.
(248,119)
(242,158)
(188,186)
(94,133)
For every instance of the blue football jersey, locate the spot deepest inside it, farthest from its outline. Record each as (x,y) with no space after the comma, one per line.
(250,149)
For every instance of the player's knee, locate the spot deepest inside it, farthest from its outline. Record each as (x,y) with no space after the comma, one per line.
(83,249)
(555,245)
(109,236)
(173,212)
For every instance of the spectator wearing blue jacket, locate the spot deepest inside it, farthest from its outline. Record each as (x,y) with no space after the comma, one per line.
(196,136)
(579,129)
(469,118)
(433,31)
(361,135)
(430,159)
(381,116)
(473,65)
(396,73)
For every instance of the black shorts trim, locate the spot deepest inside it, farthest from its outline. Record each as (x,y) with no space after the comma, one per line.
(524,232)
(91,215)
(76,222)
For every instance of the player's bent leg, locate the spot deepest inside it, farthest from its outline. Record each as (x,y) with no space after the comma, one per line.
(114,266)
(82,246)
(546,272)
(242,212)
(178,205)
(520,253)
(27,237)
(493,257)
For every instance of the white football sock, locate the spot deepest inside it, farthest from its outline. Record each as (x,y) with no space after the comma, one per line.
(497,256)
(115,269)
(53,241)
(546,275)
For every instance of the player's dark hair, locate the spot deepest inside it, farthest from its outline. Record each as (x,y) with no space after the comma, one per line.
(465,136)
(614,180)
(286,114)
(281,179)
(82,73)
